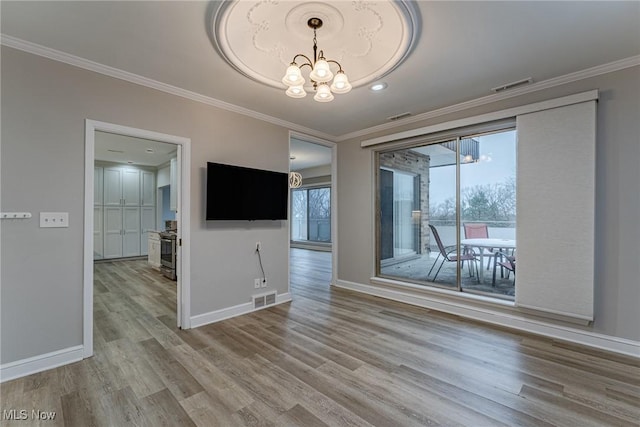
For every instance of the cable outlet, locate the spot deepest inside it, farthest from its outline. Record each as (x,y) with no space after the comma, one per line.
(258,246)
(256,283)
(263,282)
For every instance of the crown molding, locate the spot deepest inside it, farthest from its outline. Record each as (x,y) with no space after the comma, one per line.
(86,64)
(632,61)
(76,61)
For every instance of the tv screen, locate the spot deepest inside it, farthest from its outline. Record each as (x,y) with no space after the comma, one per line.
(239,193)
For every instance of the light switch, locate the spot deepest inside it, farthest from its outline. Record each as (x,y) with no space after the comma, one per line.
(54,219)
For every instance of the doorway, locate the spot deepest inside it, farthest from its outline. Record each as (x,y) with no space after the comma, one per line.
(135,239)
(313,201)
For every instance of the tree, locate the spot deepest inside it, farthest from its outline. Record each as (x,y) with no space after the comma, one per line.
(489,202)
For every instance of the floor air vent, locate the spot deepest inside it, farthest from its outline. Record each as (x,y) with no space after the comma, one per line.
(264,300)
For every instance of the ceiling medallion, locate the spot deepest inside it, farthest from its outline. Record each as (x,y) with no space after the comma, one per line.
(368,38)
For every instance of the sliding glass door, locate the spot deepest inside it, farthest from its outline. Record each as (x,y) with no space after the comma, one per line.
(399,199)
(446,213)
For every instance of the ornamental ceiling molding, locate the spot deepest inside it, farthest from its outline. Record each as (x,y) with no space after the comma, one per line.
(369,38)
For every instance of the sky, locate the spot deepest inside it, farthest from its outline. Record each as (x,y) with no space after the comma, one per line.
(498,165)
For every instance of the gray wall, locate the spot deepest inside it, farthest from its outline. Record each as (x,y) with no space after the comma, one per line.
(44,107)
(617,233)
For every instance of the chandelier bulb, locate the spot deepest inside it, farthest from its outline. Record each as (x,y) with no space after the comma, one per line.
(293,76)
(321,72)
(296,92)
(340,83)
(323,93)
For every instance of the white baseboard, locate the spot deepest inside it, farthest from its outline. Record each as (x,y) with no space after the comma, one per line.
(43,362)
(229,312)
(496,317)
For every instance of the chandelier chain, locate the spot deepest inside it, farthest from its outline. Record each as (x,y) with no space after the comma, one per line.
(315,48)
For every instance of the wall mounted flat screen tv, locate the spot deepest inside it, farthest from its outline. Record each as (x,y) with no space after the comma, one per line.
(239,193)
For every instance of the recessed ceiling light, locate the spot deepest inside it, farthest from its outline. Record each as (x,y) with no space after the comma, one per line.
(377,87)
(130,162)
(149,150)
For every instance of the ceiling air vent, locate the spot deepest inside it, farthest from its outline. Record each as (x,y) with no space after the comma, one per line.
(512,85)
(399,116)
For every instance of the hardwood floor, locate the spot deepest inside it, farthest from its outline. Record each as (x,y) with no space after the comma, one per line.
(331,357)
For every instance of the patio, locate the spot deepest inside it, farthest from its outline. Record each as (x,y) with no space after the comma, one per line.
(416,268)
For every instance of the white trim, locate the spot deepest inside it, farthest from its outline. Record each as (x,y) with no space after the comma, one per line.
(509,320)
(590,95)
(234,311)
(334,196)
(42,362)
(611,67)
(106,70)
(87,263)
(184,284)
(585,319)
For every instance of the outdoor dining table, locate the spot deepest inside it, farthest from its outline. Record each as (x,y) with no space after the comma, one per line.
(487,243)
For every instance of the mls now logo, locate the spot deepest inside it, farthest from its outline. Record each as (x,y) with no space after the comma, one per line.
(15,414)
(23,414)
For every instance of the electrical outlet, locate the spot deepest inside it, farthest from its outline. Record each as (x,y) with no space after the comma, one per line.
(263,282)
(258,246)
(256,283)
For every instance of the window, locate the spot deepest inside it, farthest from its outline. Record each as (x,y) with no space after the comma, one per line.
(555,185)
(311,214)
(440,205)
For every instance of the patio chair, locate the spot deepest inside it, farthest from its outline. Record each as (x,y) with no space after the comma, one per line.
(448,254)
(475,230)
(479,230)
(505,262)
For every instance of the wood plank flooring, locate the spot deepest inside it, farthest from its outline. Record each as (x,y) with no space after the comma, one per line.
(329,358)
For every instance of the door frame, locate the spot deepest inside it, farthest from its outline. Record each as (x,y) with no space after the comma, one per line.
(182,217)
(334,197)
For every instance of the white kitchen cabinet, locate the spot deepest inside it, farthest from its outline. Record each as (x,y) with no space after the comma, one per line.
(147,224)
(112,186)
(148,188)
(112,232)
(122,232)
(153,245)
(98,186)
(98,244)
(131,187)
(127,212)
(131,231)
(121,186)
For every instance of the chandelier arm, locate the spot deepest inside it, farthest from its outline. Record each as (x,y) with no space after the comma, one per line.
(309,63)
(337,63)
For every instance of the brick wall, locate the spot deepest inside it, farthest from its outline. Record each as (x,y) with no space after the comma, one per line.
(417,164)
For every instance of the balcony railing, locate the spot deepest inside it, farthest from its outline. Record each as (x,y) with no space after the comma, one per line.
(312,229)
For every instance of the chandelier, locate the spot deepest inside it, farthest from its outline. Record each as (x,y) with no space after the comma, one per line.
(320,74)
(295,180)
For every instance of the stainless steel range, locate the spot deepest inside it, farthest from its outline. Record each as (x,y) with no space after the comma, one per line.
(168,254)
